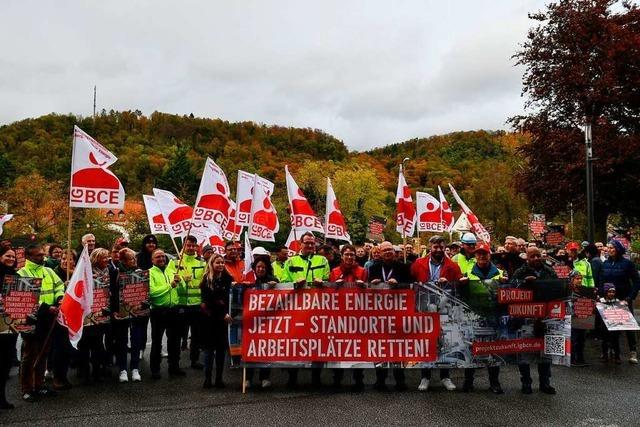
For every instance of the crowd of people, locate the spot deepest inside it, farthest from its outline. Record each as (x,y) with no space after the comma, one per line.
(189,299)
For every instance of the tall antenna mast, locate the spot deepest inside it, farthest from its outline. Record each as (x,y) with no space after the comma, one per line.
(94,103)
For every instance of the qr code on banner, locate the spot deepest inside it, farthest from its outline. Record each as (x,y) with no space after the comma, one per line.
(554,345)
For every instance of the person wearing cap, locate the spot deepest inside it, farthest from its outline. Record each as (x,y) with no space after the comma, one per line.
(438,269)
(621,272)
(143,259)
(581,264)
(610,339)
(191,269)
(232,262)
(282,255)
(465,259)
(207,251)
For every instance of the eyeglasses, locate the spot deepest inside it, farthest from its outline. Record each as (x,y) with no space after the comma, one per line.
(348,254)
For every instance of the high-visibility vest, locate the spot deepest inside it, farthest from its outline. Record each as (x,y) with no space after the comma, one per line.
(161,293)
(308,268)
(51,288)
(465,264)
(278,269)
(194,267)
(584,267)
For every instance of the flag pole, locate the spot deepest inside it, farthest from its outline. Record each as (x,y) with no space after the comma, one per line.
(244,380)
(69,241)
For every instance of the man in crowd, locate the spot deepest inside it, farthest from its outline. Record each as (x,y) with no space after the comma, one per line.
(89,240)
(439,269)
(465,259)
(232,262)
(37,344)
(191,270)
(391,272)
(330,254)
(511,260)
(278,265)
(529,273)
(581,264)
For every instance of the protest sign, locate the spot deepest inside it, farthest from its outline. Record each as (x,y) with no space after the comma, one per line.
(617,317)
(537,226)
(134,294)
(100,307)
(20,258)
(375,228)
(19,301)
(583,316)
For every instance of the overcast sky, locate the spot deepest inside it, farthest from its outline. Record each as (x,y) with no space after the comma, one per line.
(370,73)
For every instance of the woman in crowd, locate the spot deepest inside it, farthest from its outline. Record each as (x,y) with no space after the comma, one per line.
(62,268)
(215,288)
(54,254)
(149,244)
(7,341)
(260,277)
(61,350)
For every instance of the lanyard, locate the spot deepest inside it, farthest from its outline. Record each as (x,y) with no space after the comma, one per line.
(386,276)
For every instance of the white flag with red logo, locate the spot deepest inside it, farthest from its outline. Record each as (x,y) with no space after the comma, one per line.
(264,218)
(177,215)
(154,215)
(244,195)
(78,298)
(405,212)
(303,218)
(335,225)
(3,219)
(213,202)
(232,231)
(248,255)
(429,215)
(477,228)
(217,244)
(293,243)
(93,185)
(445,210)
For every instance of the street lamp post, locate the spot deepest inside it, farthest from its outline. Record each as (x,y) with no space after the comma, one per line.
(589,172)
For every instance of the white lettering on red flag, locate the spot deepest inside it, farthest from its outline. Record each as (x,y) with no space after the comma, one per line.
(405,211)
(213,203)
(429,215)
(264,218)
(303,218)
(477,228)
(336,226)
(244,195)
(177,215)
(445,212)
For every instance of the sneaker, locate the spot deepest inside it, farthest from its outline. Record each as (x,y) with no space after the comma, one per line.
(135,376)
(164,354)
(141,354)
(29,397)
(547,389)
(48,375)
(424,384)
(123,378)
(448,384)
(633,357)
(266,384)
(247,384)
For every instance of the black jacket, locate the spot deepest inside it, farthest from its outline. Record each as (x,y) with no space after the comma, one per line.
(397,270)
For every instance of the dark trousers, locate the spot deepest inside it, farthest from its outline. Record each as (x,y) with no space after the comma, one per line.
(263,374)
(91,351)
(164,320)
(494,375)
(611,341)
(32,373)
(358,376)
(7,348)
(216,349)
(191,318)
(61,353)
(120,331)
(631,335)
(426,373)
(577,345)
(544,373)
(381,375)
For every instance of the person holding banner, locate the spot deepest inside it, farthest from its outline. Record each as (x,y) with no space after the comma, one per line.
(610,339)
(215,287)
(7,341)
(442,271)
(35,347)
(282,255)
(191,270)
(621,272)
(475,289)
(391,272)
(466,258)
(581,264)
(163,295)
(233,264)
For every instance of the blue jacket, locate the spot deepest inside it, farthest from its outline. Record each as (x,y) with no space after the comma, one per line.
(624,276)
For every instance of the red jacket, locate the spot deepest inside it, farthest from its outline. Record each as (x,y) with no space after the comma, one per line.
(357,273)
(449,270)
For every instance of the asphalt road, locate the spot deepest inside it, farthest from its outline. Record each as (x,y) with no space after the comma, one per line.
(599,395)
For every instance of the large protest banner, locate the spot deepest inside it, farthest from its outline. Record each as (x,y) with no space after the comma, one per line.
(617,317)
(134,294)
(537,226)
(420,326)
(100,307)
(18,302)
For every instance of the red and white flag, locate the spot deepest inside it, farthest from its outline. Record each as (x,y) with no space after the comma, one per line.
(477,228)
(248,255)
(177,215)
(293,243)
(154,215)
(244,195)
(3,219)
(429,215)
(217,244)
(78,298)
(232,231)
(445,210)
(264,218)
(93,185)
(303,218)
(335,225)
(405,211)
(213,202)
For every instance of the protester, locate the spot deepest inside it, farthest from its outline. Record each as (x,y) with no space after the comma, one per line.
(278,265)
(592,254)
(207,252)
(581,264)
(67,264)
(7,341)
(534,270)
(89,241)
(232,261)
(376,258)
(454,249)
(391,272)
(610,339)
(260,277)
(215,288)
(442,271)
(55,253)
(410,255)
(163,294)
(511,260)
(465,259)
(476,290)
(191,269)
(36,346)
(577,335)
(114,257)
(622,274)
(143,259)
(361,255)
(602,251)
